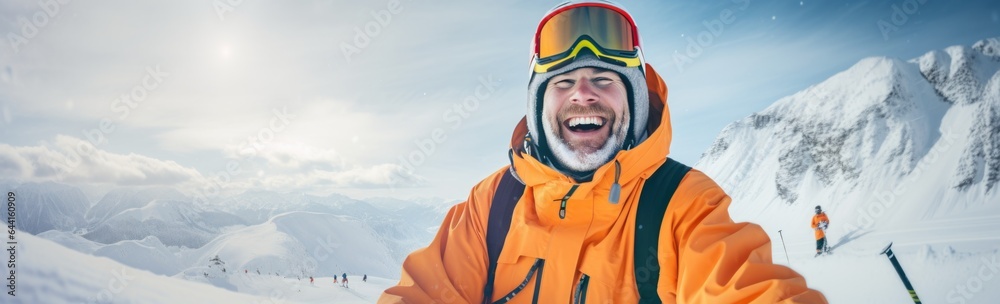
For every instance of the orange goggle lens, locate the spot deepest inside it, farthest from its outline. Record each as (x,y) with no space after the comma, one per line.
(610,30)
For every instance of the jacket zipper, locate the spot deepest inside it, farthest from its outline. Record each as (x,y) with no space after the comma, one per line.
(535,271)
(581,289)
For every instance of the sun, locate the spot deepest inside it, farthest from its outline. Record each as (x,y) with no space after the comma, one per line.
(226,52)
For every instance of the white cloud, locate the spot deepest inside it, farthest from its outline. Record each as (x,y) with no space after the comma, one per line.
(282,157)
(284,167)
(69,159)
(320,181)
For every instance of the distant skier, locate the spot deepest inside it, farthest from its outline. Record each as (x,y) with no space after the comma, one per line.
(819,224)
(364,278)
(334,279)
(310,280)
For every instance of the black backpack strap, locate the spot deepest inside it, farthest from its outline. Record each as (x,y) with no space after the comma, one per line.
(656,194)
(507,194)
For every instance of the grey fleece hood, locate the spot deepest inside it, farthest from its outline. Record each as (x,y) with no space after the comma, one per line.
(638,102)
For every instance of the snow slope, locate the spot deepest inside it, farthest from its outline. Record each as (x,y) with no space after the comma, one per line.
(403,226)
(50,273)
(300,244)
(894,151)
(147,254)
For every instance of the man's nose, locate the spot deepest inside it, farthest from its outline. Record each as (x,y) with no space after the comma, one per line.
(584,92)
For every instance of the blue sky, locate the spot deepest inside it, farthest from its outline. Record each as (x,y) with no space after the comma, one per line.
(262,95)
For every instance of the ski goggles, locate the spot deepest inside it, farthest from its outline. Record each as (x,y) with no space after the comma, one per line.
(602,29)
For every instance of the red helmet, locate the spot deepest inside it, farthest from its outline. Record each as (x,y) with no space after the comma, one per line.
(578,34)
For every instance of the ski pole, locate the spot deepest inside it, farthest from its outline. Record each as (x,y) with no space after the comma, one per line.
(899,269)
(783,246)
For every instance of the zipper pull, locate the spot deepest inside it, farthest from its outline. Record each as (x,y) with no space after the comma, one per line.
(616,189)
(562,204)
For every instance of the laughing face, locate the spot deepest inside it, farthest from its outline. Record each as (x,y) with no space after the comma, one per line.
(585,117)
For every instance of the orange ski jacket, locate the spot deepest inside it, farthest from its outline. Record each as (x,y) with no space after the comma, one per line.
(704,257)
(821,217)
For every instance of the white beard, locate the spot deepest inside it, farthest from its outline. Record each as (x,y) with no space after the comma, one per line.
(578,160)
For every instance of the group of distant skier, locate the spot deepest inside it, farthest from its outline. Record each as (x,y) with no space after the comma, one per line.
(343,280)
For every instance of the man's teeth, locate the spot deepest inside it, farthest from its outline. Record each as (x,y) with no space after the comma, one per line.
(576,121)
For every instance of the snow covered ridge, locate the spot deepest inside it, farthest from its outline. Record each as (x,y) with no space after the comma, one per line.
(873,123)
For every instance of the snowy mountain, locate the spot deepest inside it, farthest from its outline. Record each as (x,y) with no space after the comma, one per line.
(969,78)
(881,122)
(257,206)
(71,241)
(901,151)
(52,206)
(118,200)
(174,222)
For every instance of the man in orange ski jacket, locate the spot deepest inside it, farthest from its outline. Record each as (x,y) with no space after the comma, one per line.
(819,224)
(562,222)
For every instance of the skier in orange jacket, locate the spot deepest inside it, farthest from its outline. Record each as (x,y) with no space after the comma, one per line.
(596,130)
(819,224)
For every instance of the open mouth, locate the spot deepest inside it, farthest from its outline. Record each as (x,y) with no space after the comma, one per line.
(584,124)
